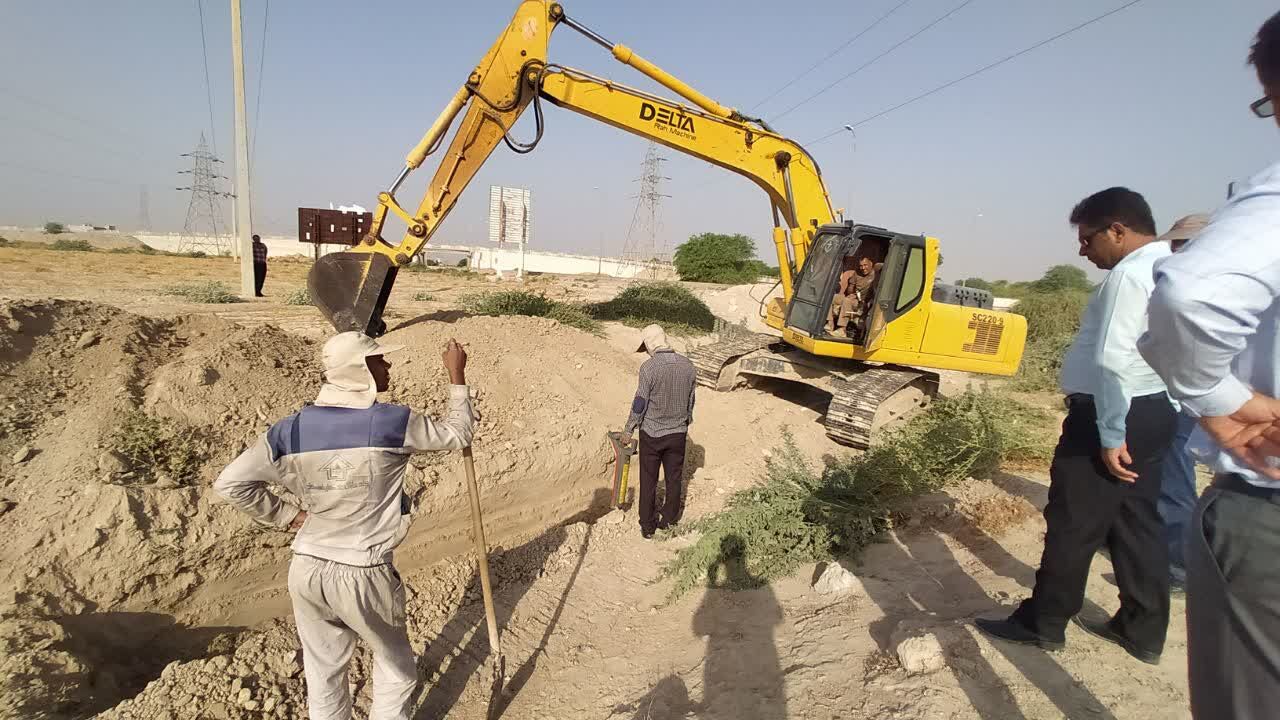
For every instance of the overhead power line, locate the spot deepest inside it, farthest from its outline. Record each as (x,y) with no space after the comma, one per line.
(208,87)
(97,124)
(979,71)
(84,145)
(73,176)
(873,60)
(257,105)
(831,54)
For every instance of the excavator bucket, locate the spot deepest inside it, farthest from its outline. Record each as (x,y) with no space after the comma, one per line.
(351,290)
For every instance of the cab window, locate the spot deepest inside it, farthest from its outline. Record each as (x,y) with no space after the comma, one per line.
(912,280)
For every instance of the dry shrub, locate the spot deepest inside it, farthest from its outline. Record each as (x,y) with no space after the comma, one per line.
(300,296)
(519,302)
(799,515)
(205,292)
(76,245)
(157,449)
(679,311)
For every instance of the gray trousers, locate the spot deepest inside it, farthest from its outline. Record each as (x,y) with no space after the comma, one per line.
(1233,604)
(332,605)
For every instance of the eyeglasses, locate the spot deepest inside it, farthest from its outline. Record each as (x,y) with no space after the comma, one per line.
(1263,107)
(1087,240)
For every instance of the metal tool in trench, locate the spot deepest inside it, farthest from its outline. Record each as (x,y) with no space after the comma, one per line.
(621,467)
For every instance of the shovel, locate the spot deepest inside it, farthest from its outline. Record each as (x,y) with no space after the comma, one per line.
(498,664)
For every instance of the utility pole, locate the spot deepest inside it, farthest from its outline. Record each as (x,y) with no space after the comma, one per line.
(242,196)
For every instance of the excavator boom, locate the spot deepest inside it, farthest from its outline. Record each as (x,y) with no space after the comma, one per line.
(351,288)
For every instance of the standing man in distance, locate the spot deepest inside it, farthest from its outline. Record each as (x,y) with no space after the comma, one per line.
(344,459)
(1178,471)
(663,411)
(259,265)
(1105,476)
(1215,338)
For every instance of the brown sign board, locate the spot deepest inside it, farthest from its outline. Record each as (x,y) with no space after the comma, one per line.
(332,227)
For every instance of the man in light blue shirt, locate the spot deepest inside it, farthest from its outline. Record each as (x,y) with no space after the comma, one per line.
(1105,476)
(1215,338)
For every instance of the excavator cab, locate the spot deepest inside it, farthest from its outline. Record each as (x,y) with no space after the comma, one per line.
(840,248)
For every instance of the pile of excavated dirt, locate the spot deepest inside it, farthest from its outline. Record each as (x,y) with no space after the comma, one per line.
(741,304)
(105,556)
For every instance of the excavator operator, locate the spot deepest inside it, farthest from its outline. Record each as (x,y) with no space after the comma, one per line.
(854,295)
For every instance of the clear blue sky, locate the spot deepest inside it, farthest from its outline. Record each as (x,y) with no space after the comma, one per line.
(101,98)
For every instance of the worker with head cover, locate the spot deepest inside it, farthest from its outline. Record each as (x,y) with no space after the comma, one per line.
(1215,339)
(1178,473)
(663,411)
(343,459)
(1104,481)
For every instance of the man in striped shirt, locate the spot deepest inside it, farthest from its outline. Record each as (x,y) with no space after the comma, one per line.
(259,265)
(663,411)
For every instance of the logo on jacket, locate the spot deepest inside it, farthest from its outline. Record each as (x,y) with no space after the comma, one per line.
(339,474)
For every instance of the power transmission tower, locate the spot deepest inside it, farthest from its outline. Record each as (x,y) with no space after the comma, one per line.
(144,209)
(641,248)
(204,230)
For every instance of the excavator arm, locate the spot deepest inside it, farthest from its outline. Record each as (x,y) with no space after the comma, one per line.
(351,288)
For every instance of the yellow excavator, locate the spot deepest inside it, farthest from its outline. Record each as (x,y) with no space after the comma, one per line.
(879,368)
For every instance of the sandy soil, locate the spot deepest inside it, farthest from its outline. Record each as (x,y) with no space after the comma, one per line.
(143,598)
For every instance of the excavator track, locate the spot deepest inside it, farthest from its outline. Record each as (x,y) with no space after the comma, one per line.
(857,397)
(710,359)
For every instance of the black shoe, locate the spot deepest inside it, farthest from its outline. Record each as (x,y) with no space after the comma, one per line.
(1102,629)
(646,534)
(1015,632)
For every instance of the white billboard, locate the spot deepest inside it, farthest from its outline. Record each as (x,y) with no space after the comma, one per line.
(508,215)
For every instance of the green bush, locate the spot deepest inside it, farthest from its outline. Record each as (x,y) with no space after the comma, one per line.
(1050,315)
(574,315)
(195,254)
(799,515)
(301,296)
(716,258)
(520,302)
(77,245)
(464,262)
(1052,321)
(157,449)
(206,292)
(4,242)
(54,228)
(1062,277)
(423,297)
(1042,364)
(669,304)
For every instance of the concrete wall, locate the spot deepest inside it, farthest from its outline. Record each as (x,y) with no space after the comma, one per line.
(490,258)
(479,257)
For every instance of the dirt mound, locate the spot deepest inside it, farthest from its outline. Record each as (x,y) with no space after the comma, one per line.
(95,402)
(741,304)
(99,240)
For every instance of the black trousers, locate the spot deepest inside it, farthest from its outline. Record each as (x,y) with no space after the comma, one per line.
(1087,508)
(259,277)
(1233,602)
(666,452)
